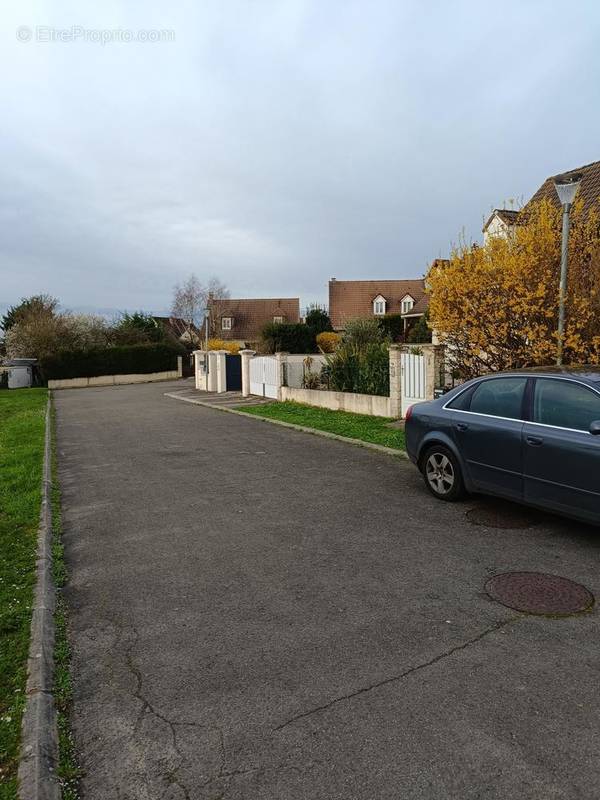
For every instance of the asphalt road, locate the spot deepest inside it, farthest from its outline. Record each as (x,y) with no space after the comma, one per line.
(262,614)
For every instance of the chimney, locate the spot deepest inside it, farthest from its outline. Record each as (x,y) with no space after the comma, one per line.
(332,280)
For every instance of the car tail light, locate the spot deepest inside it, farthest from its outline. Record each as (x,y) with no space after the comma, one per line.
(408,413)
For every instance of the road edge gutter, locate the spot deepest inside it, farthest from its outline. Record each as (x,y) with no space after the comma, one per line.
(380,448)
(37,779)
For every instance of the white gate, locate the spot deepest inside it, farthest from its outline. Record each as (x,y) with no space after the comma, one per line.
(264,376)
(413,380)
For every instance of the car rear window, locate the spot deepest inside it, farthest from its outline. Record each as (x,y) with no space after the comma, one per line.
(462,401)
(499,397)
(565,404)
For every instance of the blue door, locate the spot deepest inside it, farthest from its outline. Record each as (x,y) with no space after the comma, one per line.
(561,457)
(233,372)
(489,436)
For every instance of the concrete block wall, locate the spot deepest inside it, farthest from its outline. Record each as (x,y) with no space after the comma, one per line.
(372,405)
(118,380)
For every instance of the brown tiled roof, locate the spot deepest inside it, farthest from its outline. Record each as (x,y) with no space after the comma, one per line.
(352,299)
(250,316)
(507,215)
(589,190)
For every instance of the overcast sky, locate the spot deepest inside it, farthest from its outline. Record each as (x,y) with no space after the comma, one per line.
(276,143)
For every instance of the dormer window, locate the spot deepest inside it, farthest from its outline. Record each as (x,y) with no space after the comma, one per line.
(278,319)
(226,323)
(407,303)
(379,304)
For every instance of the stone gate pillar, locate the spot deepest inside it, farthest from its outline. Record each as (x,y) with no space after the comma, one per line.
(212,371)
(246,355)
(281,365)
(221,355)
(395,381)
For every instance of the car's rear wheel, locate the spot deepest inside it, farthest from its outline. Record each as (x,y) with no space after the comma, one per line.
(442,473)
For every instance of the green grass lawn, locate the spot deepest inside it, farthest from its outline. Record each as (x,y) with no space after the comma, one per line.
(22,414)
(355,426)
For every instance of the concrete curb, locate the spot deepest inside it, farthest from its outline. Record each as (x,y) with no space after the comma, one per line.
(390,451)
(39,731)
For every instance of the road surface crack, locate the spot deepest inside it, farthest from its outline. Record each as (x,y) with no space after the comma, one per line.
(417,668)
(147,707)
(224,773)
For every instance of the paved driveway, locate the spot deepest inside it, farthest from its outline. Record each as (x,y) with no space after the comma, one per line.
(263,614)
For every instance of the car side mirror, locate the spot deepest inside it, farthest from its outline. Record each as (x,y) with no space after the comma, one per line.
(595,428)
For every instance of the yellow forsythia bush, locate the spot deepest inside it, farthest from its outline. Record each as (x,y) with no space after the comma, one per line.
(221,344)
(496,306)
(328,341)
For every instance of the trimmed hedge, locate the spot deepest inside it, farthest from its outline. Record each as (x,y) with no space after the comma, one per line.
(327,341)
(138,359)
(289,337)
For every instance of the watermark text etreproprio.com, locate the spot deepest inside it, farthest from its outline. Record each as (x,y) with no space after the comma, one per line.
(77,33)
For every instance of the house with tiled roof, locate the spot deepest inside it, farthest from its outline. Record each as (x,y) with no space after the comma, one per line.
(350,300)
(502,220)
(589,189)
(242,320)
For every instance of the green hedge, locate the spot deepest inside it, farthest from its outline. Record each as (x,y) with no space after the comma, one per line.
(289,337)
(119,360)
(393,326)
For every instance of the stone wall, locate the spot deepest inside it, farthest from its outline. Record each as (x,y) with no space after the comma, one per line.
(340,401)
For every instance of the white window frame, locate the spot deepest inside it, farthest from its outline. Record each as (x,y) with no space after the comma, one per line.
(278,319)
(379,306)
(226,323)
(407,303)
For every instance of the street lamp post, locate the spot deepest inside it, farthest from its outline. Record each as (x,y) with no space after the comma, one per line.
(206,326)
(566,187)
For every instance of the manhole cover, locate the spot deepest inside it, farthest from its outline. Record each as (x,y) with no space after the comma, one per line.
(501,517)
(536,593)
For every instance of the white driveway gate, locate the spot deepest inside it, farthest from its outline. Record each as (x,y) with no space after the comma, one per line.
(264,376)
(413,380)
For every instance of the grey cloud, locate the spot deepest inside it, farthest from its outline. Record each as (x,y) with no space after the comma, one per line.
(278,143)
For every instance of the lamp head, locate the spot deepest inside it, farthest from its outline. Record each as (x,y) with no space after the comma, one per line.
(566,187)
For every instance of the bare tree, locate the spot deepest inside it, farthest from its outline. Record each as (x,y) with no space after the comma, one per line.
(190,299)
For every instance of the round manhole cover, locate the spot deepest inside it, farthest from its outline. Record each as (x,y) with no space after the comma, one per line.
(501,517)
(536,593)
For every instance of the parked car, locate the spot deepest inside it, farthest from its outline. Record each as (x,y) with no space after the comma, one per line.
(531,436)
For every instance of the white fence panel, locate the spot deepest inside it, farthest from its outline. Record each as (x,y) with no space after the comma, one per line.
(271,380)
(413,379)
(264,376)
(256,376)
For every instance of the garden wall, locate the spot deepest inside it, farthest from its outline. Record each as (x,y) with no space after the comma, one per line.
(117,380)
(373,405)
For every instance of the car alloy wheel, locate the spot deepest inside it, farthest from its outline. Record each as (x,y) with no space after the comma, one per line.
(440,473)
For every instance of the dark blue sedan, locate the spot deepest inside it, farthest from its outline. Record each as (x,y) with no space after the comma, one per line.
(531,436)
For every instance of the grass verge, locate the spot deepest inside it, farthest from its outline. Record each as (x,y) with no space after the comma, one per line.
(22,413)
(343,423)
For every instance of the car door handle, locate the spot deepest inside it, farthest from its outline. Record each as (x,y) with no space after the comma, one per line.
(534,441)
(461,426)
